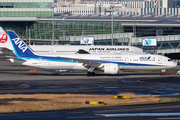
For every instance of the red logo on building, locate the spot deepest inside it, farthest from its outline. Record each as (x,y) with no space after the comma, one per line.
(3,37)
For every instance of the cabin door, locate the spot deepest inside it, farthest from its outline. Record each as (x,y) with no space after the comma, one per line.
(126,60)
(159,60)
(40,61)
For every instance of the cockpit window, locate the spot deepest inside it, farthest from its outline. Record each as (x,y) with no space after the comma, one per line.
(169,59)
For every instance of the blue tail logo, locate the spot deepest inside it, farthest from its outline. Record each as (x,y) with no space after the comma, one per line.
(20,44)
(20,48)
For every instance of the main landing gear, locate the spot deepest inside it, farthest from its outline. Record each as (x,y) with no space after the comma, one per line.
(91,74)
(90,71)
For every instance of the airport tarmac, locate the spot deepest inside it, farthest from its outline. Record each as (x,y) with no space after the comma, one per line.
(164,111)
(81,84)
(140,84)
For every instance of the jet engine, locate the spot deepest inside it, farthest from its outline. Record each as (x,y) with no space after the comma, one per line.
(111,68)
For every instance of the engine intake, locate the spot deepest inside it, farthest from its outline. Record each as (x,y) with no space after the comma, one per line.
(111,68)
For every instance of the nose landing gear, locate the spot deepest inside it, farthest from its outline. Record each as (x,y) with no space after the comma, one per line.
(163,72)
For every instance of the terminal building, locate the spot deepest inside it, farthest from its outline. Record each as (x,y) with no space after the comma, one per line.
(32,21)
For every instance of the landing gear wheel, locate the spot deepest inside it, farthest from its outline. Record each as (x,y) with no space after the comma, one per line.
(93,74)
(90,74)
(163,72)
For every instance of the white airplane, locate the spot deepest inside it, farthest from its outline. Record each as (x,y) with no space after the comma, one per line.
(110,64)
(7,49)
(86,49)
(77,49)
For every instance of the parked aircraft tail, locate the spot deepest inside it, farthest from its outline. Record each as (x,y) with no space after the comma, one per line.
(4,40)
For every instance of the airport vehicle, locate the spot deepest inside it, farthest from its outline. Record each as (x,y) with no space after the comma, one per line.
(7,49)
(110,64)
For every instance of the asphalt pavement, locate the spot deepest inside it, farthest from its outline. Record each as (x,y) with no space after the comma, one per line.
(140,84)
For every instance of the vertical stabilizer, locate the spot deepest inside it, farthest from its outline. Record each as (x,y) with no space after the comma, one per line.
(19,46)
(4,40)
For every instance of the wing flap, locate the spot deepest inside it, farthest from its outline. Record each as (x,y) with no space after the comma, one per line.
(81,51)
(85,62)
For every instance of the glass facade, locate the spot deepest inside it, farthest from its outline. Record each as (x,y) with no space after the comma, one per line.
(43,29)
(165,44)
(23,9)
(18,27)
(161,45)
(26,8)
(143,31)
(25,5)
(26,14)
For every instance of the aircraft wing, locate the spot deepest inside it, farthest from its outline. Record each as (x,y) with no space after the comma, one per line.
(85,62)
(81,51)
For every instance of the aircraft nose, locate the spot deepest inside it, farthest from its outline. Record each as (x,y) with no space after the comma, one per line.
(174,64)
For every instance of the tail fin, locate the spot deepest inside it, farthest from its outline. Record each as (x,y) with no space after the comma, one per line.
(20,47)
(4,40)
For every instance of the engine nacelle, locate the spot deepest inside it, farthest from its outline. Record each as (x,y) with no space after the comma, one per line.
(111,68)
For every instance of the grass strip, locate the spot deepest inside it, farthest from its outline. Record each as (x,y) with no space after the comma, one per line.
(10,103)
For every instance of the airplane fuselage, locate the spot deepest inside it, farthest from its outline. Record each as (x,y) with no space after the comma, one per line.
(126,62)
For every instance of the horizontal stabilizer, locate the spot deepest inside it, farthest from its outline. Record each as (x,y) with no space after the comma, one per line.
(16,58)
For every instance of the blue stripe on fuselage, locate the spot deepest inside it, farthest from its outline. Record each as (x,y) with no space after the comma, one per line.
(125,64)
(57,59)
(44,58)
